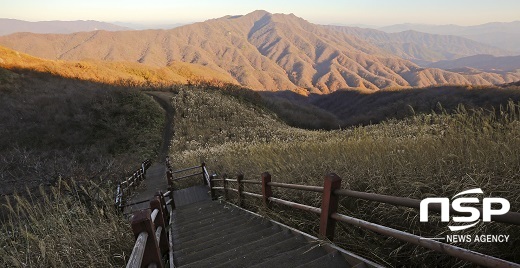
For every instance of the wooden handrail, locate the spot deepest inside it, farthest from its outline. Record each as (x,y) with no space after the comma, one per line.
(142,223)
(510,217)
(318,189)
(158,232)
(461,253)
(132,181)
(149,226)
(205,174)
(328,214)
(187,176)
(136,258)
(252,194)
(152,238)
(154,214)
(295,205)
(170,242)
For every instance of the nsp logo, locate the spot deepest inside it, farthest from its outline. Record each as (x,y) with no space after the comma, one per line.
(460,205)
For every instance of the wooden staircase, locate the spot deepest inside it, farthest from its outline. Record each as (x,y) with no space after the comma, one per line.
(206,233)
(213,234)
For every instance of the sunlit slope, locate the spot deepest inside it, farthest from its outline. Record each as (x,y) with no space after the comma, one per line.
(116,73)
(260,50)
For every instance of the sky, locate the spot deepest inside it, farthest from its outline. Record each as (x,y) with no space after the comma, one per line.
(366,12)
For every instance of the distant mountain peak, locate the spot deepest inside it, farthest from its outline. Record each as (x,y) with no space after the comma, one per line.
(267,51)
(504,35)
(258,12)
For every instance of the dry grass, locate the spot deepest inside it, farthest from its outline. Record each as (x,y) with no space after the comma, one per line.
(54,131)
(71,226)
(419,157)
(112,73)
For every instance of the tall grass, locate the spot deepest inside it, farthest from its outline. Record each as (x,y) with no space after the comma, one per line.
(71,225)
(54,131)
(422,156)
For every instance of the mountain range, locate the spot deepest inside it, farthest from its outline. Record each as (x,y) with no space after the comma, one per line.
(485,63)
(504,35)
(423,48)
(267,51)
(9,26)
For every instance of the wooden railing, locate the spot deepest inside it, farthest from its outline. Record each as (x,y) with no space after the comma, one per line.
(331,192)
(151,237)
(125,187)
(153,241)
(173,176)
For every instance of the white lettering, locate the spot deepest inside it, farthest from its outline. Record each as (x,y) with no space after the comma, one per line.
(457,205)
(445,208)
(461,205)
(458,238)
(491,238)
(488,211)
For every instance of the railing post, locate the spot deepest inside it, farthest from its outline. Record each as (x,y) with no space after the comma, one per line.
(134,177)
(156,203)
(135,180)
(118,197)
(166,215)
(266,188)
(329,205)
(142,222)
(211,185)
(203,167)
(225,185)
(240,185)
(169,177)
(168,163)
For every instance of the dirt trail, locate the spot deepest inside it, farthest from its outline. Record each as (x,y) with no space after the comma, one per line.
(163,98)
(156,174)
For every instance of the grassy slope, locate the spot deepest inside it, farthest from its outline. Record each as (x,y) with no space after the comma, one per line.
(423,156)
(113,73)
(54,131)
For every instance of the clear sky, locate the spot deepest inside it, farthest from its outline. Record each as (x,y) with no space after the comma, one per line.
(372,12)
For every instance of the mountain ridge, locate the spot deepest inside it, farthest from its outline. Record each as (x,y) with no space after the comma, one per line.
(10,26)
(260,50)
(113,73)
(505,35)
(486,63)
(422,47)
